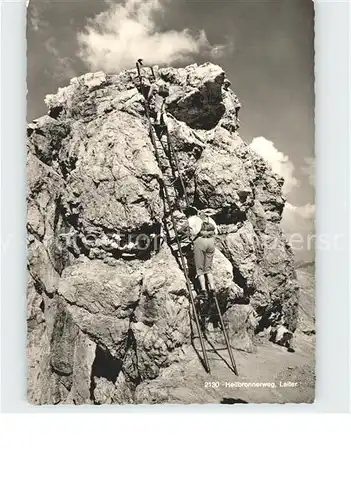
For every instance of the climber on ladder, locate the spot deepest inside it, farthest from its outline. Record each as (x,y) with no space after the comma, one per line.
(156,97)
(156,101)
(203,230)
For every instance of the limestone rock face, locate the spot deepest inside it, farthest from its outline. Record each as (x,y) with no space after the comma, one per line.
(108,305)
(196,96)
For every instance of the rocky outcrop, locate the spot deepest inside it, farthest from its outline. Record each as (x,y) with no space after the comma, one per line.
(108,307)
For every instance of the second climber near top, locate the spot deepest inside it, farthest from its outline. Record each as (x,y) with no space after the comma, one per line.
(156,100)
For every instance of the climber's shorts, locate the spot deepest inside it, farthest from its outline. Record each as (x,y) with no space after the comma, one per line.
(204,249)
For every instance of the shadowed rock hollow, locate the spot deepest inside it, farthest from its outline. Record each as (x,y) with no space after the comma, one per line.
(107,313)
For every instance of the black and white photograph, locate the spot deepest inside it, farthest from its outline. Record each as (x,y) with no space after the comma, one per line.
(170,202)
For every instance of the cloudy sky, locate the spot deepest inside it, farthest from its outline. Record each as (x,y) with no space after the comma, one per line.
(265,47)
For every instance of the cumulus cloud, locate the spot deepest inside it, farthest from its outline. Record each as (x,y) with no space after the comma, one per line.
(297,220)
(304,211)
(282,166)
(279,162)
(116,38)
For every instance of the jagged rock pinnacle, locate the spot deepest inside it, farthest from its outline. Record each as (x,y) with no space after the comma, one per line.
(107,302)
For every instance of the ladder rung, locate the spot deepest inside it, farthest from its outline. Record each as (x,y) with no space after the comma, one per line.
(173,182)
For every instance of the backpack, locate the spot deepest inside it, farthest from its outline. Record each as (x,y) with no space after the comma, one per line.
(207,226)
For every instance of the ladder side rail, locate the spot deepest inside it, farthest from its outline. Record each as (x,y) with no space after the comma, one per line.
(202,341)
(225,333)
(174,162)
(168,137)
(183,263)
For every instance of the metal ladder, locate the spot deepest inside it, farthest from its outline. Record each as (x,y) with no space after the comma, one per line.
(170,156)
